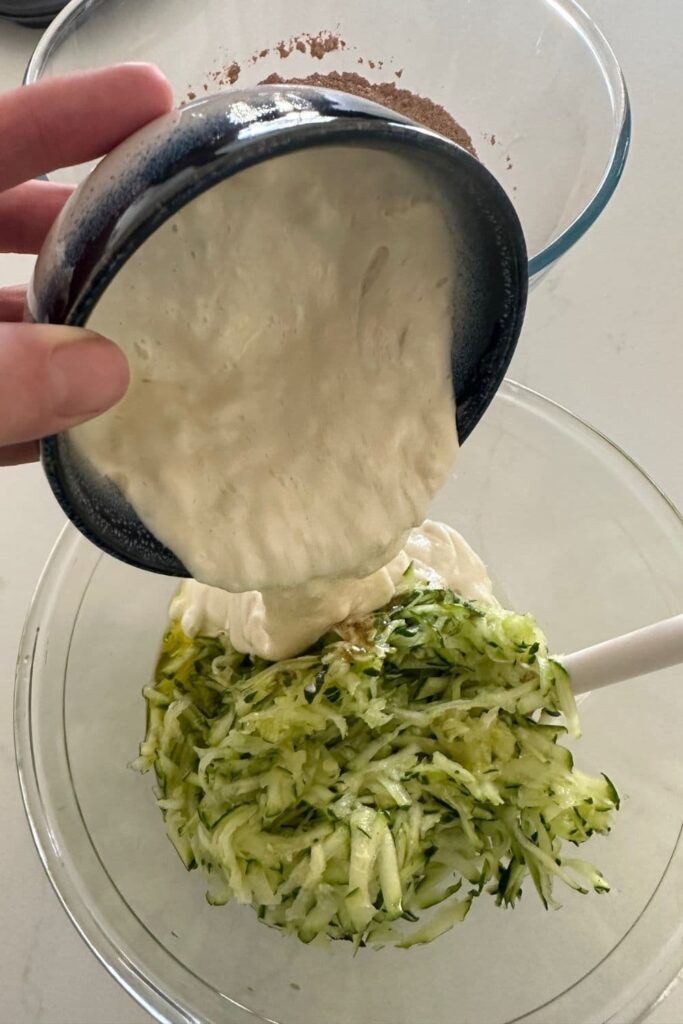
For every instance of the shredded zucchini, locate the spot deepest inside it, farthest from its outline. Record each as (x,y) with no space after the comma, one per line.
(370,789)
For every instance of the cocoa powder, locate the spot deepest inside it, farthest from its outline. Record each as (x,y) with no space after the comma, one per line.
(227,75)
(388,94)
(402,101)
(317,45)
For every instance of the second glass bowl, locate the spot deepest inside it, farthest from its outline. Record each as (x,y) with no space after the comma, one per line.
(534,81)
(572,531)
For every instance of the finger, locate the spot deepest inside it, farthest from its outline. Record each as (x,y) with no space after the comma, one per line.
(18,454)
(60,122)
(53,377)
(12,301)
(27,212)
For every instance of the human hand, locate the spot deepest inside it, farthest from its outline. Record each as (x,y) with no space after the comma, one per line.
(52,377)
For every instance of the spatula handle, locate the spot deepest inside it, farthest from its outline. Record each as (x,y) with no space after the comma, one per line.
(625,657)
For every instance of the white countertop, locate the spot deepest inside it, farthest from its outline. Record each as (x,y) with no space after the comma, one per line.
(603,336)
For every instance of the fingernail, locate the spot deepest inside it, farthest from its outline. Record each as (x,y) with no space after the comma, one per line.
(88,373)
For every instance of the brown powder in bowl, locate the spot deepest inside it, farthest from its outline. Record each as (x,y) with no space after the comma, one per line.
(403,101)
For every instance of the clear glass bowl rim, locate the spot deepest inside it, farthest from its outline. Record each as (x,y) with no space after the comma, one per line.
(571,11)
(130,975)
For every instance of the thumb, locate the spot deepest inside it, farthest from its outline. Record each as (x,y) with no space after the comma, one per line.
(53,377)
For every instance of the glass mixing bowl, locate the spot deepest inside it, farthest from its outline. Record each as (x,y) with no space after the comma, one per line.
(571,530)
(533,81)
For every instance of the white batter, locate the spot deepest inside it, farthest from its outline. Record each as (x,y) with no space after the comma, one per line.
(290,414)
(283,623)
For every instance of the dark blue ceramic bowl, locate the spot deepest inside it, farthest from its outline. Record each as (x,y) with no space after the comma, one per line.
(167,164)
(32,13)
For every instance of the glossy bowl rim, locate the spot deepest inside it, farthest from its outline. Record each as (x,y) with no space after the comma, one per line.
(131,975)
(570,11)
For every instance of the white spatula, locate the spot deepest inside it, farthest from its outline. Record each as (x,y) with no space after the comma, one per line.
(625,657)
